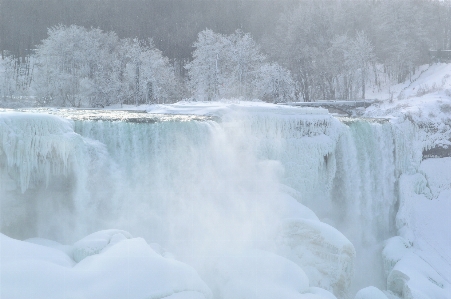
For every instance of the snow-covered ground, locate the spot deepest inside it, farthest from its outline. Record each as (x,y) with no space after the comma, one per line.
(427,98)
(297,154)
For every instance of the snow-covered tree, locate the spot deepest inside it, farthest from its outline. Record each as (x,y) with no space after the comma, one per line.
(15,76)
(341,68)
(361,57)
(148,76)
(7,82)
(68,61)
(207,69)
(105,85)
(274,84)
(224,66)
(244,63)
(402,34)
(80,67)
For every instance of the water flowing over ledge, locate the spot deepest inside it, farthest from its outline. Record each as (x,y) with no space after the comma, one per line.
(319,191)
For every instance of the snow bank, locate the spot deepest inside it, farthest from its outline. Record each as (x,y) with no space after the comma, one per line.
(418,262)
(127,269)
(67,249)
(437,172)
(413,277)
(394,250)
(370,293)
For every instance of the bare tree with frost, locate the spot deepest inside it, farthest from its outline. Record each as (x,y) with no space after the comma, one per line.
(361,57)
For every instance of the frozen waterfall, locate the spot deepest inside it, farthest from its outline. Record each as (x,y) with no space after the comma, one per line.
(298,190)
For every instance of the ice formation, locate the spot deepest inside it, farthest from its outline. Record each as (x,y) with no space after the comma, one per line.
(293,190)
(48,174)
(34,147)
(322,252)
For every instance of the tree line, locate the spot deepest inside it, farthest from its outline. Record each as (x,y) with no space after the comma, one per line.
(323,42)
(80,67)
(271,50)
(75,66)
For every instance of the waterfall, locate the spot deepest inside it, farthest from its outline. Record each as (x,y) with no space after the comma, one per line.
(271,180)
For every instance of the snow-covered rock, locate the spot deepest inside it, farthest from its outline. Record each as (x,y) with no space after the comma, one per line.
(325,254)
(394,250)
(413,278)
(126,268)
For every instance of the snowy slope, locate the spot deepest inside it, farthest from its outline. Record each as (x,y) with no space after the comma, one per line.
(426,99)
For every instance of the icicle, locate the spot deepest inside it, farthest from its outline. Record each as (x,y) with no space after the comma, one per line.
(35,147)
